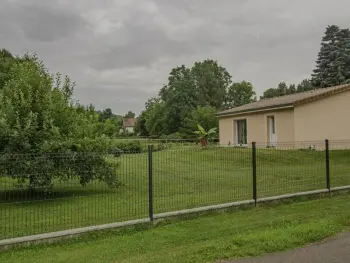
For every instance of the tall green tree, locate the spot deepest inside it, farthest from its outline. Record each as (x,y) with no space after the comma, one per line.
(332,64)
(204,84)
(212,82)
(240,93)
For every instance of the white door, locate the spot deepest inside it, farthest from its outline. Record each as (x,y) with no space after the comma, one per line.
(272,131)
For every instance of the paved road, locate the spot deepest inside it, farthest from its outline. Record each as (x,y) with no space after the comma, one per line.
(335,250)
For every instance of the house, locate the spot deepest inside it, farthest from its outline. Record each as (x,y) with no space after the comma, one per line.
(129,124)
(303,117)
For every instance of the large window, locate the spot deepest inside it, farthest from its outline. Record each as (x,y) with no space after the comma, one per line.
(241,132)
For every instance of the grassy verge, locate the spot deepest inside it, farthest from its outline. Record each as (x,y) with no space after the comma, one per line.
(183,178)
(206,239)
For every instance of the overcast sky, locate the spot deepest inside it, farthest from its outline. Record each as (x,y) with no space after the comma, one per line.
(120,52)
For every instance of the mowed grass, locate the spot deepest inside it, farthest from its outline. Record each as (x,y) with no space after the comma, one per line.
(182,178)
(213,237)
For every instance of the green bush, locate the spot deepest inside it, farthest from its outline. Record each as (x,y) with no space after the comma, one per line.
(126,146)
(84,159)
(159,147)
(45,135)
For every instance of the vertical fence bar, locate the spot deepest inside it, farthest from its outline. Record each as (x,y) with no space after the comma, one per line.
(150,183)
(328,176)
(254,171)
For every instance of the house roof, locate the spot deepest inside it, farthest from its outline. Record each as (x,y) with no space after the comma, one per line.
(129,122)
(286,101)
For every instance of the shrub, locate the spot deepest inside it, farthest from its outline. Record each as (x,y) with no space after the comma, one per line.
(84,159)
(126,147)
(159,147)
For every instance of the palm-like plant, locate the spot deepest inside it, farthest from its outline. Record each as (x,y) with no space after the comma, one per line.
(204,135)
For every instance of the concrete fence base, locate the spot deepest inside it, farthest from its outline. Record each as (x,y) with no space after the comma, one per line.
(59,235)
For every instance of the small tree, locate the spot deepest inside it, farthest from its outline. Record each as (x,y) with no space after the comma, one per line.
(204,135)
(39,121)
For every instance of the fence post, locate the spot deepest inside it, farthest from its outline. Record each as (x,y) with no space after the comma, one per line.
(254,171)
(150,183)
(328,179)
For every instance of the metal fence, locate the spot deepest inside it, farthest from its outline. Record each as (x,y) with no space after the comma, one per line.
(41,194)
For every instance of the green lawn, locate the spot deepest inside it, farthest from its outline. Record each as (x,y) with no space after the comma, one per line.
(212,237)
(183,178)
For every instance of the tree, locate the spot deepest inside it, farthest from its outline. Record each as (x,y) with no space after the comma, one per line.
(270,93)
(130,114)
(140,126)
(240,93)
(110,123)
(6,62)
(292,89)
(204,116)
(204,84)
(155,119)
(179,97)
(281,90)
(106,114)
(332,64)
(305,85)
(212,82)
(38,117)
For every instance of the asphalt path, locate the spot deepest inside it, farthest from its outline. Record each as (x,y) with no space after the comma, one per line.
(333,250)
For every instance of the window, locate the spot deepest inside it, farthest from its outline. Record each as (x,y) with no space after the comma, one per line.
(241,132)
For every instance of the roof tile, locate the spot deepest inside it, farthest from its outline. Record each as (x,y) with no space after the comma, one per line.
(287,100)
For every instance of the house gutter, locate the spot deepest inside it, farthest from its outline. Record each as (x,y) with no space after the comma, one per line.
(284,106)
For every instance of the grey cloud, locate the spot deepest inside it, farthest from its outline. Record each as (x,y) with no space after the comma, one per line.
(120,52)
(144,46)
(42,22)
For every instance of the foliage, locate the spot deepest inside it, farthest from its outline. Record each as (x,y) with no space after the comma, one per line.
(205,116)
(84,159)
(110,123)
(240,93)
(126,146)
(333,61)
(155,119)
(140,125)
(130,114)
(203,134)
(6,62)
(205,84)
(305,85)
(283,89)
(38,117)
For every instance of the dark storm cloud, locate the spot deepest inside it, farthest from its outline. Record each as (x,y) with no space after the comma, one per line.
(120,52)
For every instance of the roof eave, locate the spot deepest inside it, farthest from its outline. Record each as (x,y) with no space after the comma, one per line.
(262,109)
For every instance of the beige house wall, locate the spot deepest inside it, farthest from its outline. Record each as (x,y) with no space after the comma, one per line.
(226,130)
(327,118)
(257,127)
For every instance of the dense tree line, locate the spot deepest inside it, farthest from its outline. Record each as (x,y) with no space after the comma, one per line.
(283,89)
(193,95)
